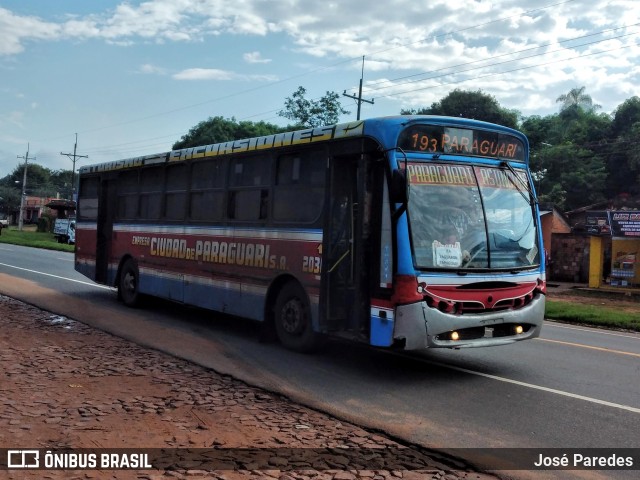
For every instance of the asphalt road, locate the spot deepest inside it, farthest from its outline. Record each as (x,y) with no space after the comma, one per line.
(575,387)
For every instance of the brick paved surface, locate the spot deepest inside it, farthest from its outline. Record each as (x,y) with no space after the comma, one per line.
(66,385)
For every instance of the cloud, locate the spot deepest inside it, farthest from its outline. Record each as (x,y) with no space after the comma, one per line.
(216,74)
(410,38)
(15,118)
(203,74)
(149,69)
(15,30)
(255,57)
(87,28)
(151,19)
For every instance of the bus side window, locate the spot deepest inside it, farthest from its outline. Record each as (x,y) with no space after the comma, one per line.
(298,195)
(128,194)
(246,201)
(207,190)
(176,192)
(248,205)
(151,186)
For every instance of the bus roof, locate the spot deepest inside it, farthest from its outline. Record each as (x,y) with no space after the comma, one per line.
(385,129)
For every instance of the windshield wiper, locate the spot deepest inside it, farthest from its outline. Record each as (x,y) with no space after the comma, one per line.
(527,187)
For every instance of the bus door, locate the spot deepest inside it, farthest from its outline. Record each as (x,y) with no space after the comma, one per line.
(343,248)
(107,202)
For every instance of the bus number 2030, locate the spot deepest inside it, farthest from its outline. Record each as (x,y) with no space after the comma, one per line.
(311,264)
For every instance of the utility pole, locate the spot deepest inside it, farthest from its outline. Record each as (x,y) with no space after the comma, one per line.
(24,188)
(359,98)
(72,157)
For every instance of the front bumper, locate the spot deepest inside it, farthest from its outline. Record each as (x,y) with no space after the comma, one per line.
(418,327)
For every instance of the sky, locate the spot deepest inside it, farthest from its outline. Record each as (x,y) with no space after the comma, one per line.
(132,77)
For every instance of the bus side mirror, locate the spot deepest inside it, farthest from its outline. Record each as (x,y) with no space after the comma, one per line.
(399,187)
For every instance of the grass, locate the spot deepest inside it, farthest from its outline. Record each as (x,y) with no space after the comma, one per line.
(28,237)
(592,315)
(555,309)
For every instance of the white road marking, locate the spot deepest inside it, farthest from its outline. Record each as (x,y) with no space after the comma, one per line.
(91,284)
(591,330)
(444,365)
(539,387)
(592,347)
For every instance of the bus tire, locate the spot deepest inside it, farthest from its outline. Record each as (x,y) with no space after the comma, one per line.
(128,284)
(292,318)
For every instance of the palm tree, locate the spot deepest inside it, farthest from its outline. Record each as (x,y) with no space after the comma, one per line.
(577,99)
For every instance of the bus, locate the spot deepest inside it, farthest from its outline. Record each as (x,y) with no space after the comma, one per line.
(405,232)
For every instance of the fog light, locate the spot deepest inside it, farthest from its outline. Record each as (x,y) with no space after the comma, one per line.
(519,329)
(455,336)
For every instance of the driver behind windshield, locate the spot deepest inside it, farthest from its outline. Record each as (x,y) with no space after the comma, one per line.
(447,226)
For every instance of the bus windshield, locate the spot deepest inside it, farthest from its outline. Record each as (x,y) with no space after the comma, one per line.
(471,217)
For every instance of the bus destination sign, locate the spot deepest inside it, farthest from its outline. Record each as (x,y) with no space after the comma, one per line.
(461,141)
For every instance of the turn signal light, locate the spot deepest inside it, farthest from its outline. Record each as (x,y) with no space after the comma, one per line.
(406,290)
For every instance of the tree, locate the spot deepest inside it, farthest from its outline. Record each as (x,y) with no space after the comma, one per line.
(310,113)
(306,113)
(567,157)
(61,181)
(573,176)
(38,180)
(219,129)
(625,117)
(634,158)
(9,199)
(577,99)
(589,129)
(477,105)
(623,155)
(542,131)
(41,182)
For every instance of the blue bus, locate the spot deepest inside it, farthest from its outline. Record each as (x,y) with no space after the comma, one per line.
(405,232)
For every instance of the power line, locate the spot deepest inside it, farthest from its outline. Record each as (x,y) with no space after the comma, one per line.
(318,69)
(506,71)
(452,73)
(369,89)
(359,98)
(145,147)
(496,64)
(73,156)
(505,55)
(472,27)
(24,187)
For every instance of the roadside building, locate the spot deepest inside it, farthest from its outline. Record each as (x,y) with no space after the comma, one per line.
(61,208)
(553,221)
(614,249)
(34,207)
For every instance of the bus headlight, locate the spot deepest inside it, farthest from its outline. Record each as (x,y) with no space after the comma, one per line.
(519,329)
(455,336)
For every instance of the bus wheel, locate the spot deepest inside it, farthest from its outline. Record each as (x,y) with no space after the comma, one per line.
(292,317)
(128,284)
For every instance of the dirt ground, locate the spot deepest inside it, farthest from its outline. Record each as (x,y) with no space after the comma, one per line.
(596,298)
(66,385)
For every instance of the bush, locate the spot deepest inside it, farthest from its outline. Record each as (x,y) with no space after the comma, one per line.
(45,224)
